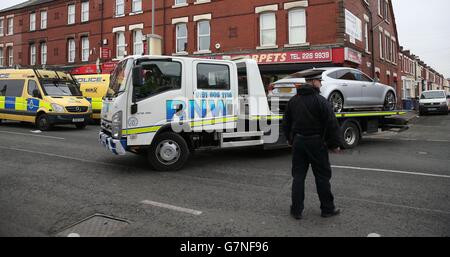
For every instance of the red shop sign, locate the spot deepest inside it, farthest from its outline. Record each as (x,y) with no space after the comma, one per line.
(106,53)
(87,69)
(108,67)
(324,55)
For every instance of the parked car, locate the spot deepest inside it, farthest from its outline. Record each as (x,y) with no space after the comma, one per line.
(433,101)
(345,88)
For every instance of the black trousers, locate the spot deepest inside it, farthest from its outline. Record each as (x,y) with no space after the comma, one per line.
(311,151)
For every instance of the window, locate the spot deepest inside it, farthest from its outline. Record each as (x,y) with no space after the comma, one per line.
(136,6)
(119,78)
(204,36)
(120,45)
(381,45)
(178,2)
(386,10)
(10,26)
(1,57)
(32,54)
(366,36)
(84,49)
(268,33)
(380,11)
(181,37)
(2,28)
(138,45)
(32,85)
(43,19)
(71,14)
(387,48)
(120,7)
(361,76)
(71,50)
(32,21)
(346,75)
(43,53)
(12,87)
(10,56)
(159,76)
(85,11)
(213,77)
(297,26)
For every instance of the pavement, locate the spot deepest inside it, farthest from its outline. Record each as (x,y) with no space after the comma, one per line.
(393,184)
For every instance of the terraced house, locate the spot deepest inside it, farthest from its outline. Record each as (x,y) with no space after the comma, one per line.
(283,36)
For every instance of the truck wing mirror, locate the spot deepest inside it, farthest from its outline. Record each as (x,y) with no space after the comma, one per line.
(137,76)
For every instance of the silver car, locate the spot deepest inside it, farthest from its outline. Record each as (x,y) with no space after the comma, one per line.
(345,88)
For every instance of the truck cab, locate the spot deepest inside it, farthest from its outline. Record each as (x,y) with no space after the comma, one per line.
(166,107)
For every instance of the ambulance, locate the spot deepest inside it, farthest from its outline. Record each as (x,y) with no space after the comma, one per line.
(42,97)
(167,107)
(94,88)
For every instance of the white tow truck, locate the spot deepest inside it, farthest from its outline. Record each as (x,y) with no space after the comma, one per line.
(166,107)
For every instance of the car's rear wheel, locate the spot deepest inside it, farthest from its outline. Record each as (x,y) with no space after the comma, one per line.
(389,101)
(337,101)
(43,122)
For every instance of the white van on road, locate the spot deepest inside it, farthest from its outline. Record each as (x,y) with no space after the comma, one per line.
(433,101)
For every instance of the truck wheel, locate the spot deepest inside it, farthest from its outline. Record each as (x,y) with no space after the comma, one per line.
(43,123)
(168,152)
(350,135)
(80,125)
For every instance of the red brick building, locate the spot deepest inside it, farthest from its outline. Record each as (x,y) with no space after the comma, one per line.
(285,36)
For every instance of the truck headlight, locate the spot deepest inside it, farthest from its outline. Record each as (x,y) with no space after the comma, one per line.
(57,108)
(116,126)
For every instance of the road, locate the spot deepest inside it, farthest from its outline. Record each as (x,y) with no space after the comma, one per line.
(392,185)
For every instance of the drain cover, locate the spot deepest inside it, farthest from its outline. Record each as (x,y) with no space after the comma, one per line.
(97,225)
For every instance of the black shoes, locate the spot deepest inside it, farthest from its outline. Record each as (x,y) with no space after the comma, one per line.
(295,215)
(331,214)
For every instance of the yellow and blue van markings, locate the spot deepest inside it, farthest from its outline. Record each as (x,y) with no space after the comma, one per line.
(21,105)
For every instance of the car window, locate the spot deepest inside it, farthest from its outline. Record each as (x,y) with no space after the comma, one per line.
(118,78)
(31,87)
(346,75)
(242,79)
(361,76)
(432,95)
(12,87)
(213,76)
(159,76)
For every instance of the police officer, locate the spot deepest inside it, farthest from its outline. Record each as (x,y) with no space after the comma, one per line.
(311,127)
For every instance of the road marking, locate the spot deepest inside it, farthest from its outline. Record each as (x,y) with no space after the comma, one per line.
(408,139)
(392,205)
(61,156)
(27,134)
(391,171)
(172,207)
(73,235)
(373,235)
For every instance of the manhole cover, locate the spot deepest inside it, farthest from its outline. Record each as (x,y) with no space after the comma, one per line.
(97,225)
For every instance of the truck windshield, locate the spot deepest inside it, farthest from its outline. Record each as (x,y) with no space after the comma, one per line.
(433,95)
(119,78)
(60,88)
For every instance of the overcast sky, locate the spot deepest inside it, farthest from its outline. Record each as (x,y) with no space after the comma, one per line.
(423,28)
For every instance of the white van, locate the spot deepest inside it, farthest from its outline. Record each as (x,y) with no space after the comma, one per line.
(433,101)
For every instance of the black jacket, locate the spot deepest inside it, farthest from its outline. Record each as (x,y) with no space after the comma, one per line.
(308,113)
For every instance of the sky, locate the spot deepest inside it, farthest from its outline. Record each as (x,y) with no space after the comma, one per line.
(423,27)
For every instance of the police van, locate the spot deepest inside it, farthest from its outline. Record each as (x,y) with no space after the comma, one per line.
(94,88)
(42,97)
(166,107)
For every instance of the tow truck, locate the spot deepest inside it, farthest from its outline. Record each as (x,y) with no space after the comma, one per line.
(165,107)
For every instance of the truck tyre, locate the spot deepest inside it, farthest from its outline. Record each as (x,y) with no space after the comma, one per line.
(43,122)
(350,135)
(81,125)
(168,152)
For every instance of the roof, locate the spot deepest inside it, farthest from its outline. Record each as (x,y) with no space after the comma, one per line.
(25,4)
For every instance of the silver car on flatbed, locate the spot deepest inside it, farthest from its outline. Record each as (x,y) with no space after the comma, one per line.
(345,88)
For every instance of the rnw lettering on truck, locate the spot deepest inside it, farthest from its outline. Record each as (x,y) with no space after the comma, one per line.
(197,108)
